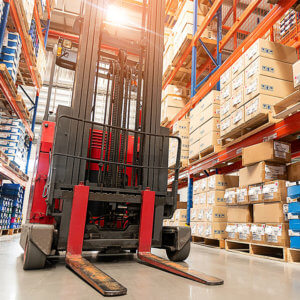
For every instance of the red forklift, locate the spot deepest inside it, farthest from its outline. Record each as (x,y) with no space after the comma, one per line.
(103,186)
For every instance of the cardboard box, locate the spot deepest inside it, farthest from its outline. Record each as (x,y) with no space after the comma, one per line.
(277,234)
(237,99)
(230,196)
(225,78)
(216,198)
(201,214)
(183,194)
(255,193)
(179,223)
(180,215)
(294,172)
(269,67)
(199,199)
(216,214)
(225,109)
(239,214)
(181,205)
(211,98)
(258,233)
(242,195)
(216,230)
(260,84)
(225,126)
(260,106)
(231,230)
(182,126)
(238,67)
(225,93)
(194,226)
(296,73)
(244,232)
(168,113)
(194,214)
(262,172)
(238,117)
(271,151)
(275,191)
(270,212)
(238,82)
(222,182)
(271,50)
(201,229)
(200,186)
(211,125)
(175,90)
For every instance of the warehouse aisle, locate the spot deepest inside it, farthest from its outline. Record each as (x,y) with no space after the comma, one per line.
(245,278)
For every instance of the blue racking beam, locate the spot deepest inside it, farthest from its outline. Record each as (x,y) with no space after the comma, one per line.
(3,23)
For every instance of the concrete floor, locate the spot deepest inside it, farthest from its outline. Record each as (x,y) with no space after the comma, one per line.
(245,278)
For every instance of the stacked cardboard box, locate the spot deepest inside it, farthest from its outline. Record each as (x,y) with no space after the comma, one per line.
(181,130)
(209,212)
(254,84)
(173,100)
(178,218)
(261,197)
(204,125)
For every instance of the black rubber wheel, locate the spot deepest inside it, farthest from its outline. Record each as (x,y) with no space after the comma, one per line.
(180,255)
(33,258)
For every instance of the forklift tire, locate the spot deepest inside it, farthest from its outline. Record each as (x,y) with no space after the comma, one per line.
(33,258)
(179,255)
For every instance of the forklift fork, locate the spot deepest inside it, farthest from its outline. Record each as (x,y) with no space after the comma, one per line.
(144,250)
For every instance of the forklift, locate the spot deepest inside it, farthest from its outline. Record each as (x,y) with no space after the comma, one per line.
(103,186)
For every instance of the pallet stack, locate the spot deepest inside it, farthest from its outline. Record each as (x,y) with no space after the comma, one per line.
(258,80)
(11,203)
(209,212)
(258,213)
(205,127)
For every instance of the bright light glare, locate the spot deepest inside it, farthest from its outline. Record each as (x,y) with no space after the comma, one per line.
(116,15)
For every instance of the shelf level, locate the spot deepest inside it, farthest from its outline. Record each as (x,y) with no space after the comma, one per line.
(8,174)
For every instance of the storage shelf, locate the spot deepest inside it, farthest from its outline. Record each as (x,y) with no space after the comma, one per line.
(9,174)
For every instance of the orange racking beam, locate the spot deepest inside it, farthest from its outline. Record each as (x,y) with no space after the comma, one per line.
(216,5)
(38,25)
(24,45)
(239,22)
(272,17)
(48,9)
(238,30)
(12,102)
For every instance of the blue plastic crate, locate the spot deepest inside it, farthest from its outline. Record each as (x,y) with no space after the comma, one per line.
(293,191)
(294,208)
(295,242)
(294,224)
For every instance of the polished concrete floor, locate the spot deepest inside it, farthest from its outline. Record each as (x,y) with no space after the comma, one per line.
(245,278)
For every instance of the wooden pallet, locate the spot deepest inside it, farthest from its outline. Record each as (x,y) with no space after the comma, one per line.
(218,243)
(21,104)
(3,158)
(21,12)
(293,255)
(288,106)
(249,128)
(9,231)
(211,150)
(165,122)
(278,253)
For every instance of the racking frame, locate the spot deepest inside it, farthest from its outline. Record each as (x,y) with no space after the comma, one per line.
(10,8)
(227,160)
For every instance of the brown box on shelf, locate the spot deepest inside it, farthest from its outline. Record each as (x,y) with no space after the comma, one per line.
(225,93)
(238,82)
(230,196)
(272,151)
(239,214)
(175,90)
(271,50)
(274,191)
(181,205)
(255,193)
(215,230)
(244,232)
(216,214)
(216,198)
(238,117)
(201,214)
(242,196)
(194,214)
(258,233)
(225,126)
(180,215)
(225,78)
(238,67)
(293,171)
(201,229)
(194,226)
(277,234)
(225,110)
(262,172)
(270,212)
(237,99)
(199,199)
(200,186)
(260,84)
(296,73)
(269,67)
(222,182)
(231,230)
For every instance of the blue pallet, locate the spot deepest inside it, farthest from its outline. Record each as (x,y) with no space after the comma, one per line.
(295,242)
(294,208)
(293,191)
(294,224)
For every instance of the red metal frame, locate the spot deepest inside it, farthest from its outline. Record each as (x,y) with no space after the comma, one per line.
(272,17)
(77,220)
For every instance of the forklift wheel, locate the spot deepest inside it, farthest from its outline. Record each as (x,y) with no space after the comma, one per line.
(34,258)
(180,255)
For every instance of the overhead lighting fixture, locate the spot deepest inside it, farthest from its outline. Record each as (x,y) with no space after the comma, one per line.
(116,15)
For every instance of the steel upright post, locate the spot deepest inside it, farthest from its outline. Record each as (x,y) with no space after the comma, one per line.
(189,200)
(194,52)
